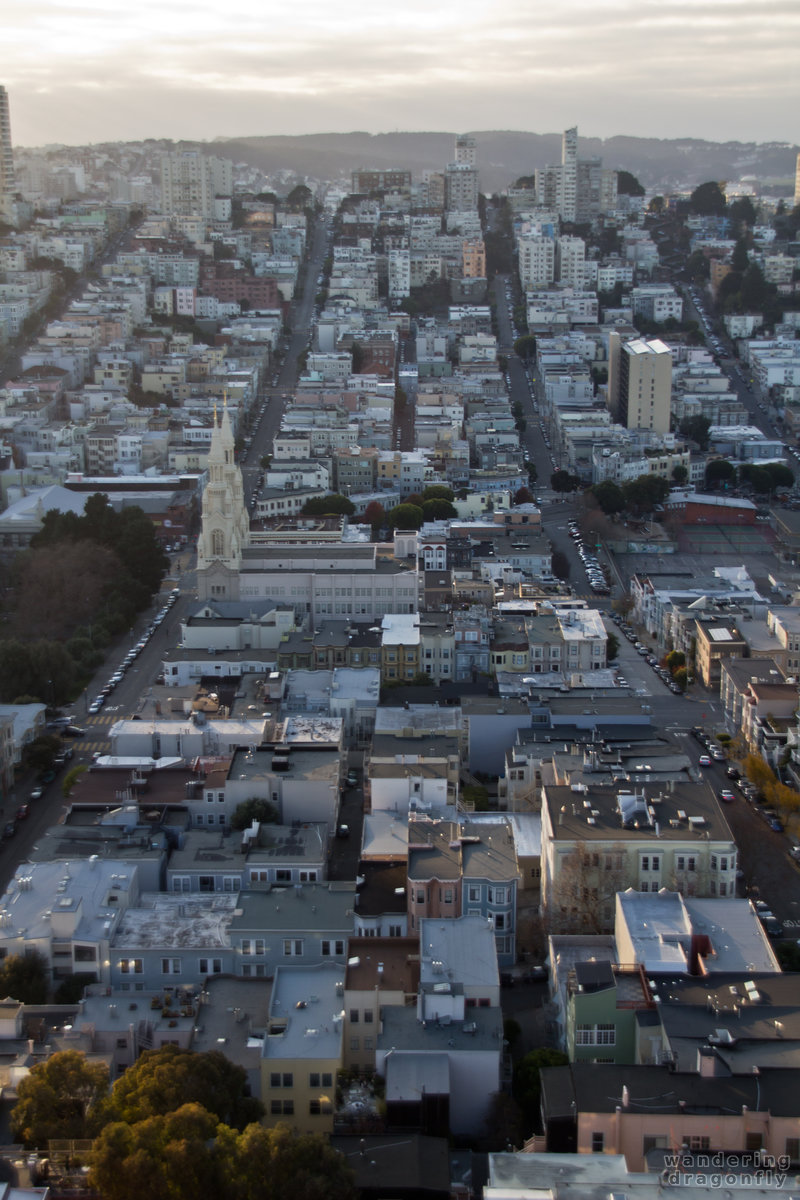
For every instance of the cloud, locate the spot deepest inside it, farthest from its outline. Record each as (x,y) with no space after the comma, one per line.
(195,68)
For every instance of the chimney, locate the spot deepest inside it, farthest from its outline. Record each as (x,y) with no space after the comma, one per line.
(626,1096)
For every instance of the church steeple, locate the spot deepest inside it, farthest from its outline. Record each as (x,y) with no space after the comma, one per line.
(225,527)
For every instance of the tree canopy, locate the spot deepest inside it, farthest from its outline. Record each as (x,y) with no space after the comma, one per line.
(405,516)
(255,809)
(628,184)
(188,1154)
(708,199)
(332,505)
(162,1080)
(61,1097)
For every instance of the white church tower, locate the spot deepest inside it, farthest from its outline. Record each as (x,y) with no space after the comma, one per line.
(225,526)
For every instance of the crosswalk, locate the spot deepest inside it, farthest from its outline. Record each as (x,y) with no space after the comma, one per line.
(96,726)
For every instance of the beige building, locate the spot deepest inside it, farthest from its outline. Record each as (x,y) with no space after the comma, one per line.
(302,1051)
(600,840)
(640,383)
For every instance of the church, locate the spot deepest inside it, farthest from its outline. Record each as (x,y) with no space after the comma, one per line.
(320,580)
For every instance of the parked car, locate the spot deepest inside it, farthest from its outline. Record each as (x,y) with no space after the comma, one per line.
(351,779)
(22,812)
(9,829)
(704,760)
(36,793)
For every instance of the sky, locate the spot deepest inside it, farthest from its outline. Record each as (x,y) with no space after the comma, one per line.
(83,71)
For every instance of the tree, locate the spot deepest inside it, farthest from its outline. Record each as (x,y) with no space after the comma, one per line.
(169,1157)
(656,205)
(299,197)
(522,496)
(61,1097)
(375,515)
(405,516)
(526,1084)
(612,646)
(563,481)
(272,1164)
(560,565)
(742,211)
(696,429)
(719,471)
(644,493)
(609,496)
(740,257)
(163,1080)
(680,474)
(438,510)
(708,200)
(674,660)
(628,184)
(24,977)
(525,347)
(257,808)
(437,491)
(333,504)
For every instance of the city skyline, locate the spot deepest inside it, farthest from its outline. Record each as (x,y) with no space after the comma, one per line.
(77,73)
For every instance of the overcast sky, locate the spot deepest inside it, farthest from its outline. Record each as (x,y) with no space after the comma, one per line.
(82,71)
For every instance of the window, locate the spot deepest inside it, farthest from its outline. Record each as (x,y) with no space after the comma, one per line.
(332,947)
(697,1142)
(253,945)
(369,1016)
(793,1149)
(210,966)
(327,1079)
(596,1035)
(131,966)
(170,966)
(287,1079)
(293,947)
(598,1141)
(653,1141)
(122,1043)
(313,1079)
(354,1016)
(474,894)
(275,1079)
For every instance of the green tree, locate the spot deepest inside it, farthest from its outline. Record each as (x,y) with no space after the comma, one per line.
(680,474)
(719,471)
(740,257)
(645,492)
(161,1081)
(526,1085)
(437,491)
(166,1157)
(438,510)
(742,211)
(299,197)
(525,347)
(272,1164)
(563,481)
(332,505)
(522,496)
(656,205)
(708,200)
(560,565)
(405,516)
(25,977)
(609,497)
(61,1097)
(674,660)
(255,809)
(696,429)
(628,184)
(612,647)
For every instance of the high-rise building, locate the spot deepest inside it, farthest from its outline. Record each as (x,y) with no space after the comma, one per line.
(461,188)
(466,150)
(797,182)
(7,185)
(578,189)
(640,383)
(191,182)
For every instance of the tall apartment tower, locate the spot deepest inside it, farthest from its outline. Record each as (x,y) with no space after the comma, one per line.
(797,182)
(569,174)
(640,383)
(191,182)
(466,150)
(7,185)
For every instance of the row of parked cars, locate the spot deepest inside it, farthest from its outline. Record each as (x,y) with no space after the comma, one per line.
(591,563)
(651,659)
(105,691)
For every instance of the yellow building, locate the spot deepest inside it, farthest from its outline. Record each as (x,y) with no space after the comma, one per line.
(303,1048)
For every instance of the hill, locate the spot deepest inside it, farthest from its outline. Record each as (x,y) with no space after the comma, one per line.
(504,155)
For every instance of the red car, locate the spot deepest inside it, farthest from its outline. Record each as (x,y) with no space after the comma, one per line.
(22,812)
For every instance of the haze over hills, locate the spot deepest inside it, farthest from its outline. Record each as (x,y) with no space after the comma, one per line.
(504,155)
